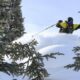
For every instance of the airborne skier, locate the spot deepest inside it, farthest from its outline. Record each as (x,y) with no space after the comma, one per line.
(67,26)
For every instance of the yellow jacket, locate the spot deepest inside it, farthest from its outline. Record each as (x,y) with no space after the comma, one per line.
(65,25)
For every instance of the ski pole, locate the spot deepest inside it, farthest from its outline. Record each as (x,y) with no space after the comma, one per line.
(44,30)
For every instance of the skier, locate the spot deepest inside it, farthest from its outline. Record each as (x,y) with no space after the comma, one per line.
(67,26)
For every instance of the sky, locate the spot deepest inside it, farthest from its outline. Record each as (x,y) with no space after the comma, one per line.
(38,14)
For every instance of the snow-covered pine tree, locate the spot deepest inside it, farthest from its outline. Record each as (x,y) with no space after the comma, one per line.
(11,27)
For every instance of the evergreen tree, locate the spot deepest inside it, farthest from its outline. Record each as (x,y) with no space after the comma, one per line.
(24,59)
(76,64)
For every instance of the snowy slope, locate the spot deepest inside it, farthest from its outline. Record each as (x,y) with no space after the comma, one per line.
(62,43)
(55,42)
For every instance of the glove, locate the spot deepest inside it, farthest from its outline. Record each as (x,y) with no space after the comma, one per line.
(58,24)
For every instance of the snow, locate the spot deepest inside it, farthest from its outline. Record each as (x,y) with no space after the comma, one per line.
(60,43)
(55,42)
